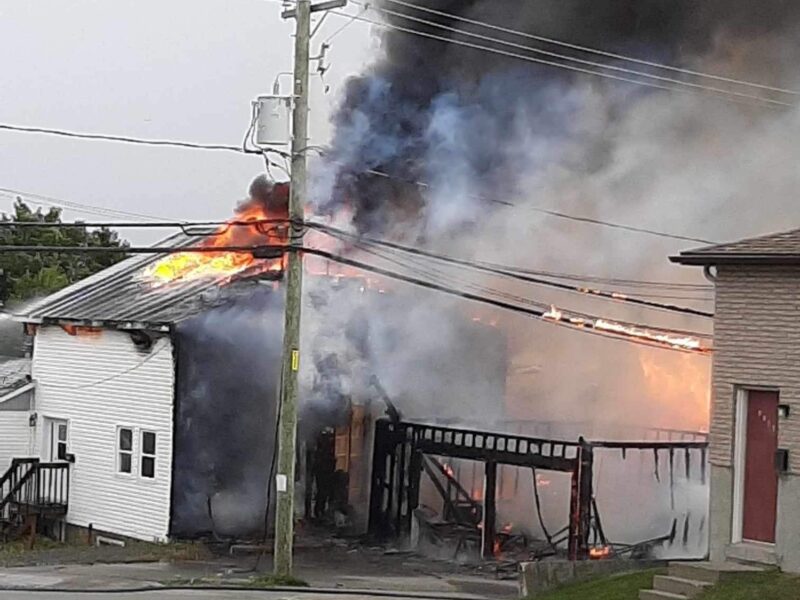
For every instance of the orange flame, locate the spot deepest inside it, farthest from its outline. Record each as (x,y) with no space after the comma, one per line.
(600,552)
(680,342)
(197,265)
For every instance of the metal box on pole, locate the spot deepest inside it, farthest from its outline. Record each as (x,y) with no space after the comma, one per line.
(272,116)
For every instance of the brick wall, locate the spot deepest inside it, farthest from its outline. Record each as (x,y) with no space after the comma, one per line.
(757,343)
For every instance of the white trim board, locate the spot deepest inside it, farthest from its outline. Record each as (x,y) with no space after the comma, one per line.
(18,392)
(739,454)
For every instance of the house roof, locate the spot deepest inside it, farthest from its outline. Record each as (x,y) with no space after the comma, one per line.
(120,297)
(776,249)
(14,373)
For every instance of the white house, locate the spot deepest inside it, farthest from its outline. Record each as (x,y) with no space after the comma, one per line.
(102,394)
(16,397)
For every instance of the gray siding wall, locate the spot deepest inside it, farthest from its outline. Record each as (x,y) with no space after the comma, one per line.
(757,344)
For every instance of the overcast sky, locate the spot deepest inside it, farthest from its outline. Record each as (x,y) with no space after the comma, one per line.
(145,68)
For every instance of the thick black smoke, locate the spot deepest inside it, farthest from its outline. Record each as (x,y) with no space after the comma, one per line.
(428,108)
(228,360)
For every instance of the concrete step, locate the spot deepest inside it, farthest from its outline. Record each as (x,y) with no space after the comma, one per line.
(677,585)
(752,553)
(709,572)
(659,595)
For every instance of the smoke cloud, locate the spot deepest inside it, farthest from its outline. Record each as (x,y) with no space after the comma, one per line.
(482,131)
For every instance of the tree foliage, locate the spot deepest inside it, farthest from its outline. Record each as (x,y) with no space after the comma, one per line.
(26,275)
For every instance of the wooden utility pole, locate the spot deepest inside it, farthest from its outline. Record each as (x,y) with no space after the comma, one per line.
(287,437)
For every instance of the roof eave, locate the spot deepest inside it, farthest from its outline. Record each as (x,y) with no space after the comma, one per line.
(708,258)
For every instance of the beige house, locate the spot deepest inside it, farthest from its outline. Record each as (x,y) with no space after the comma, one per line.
(755,416)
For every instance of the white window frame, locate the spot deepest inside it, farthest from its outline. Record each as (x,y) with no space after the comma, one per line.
(142,454)
(119,451)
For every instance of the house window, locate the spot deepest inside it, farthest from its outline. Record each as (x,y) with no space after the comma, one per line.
(61,441)
(148,462)
(124,450)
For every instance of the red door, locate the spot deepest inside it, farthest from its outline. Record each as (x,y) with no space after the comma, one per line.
(760,476)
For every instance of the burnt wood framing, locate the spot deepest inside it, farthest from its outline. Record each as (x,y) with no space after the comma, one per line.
(404,450)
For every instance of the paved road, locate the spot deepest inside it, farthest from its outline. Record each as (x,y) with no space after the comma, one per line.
(181,595)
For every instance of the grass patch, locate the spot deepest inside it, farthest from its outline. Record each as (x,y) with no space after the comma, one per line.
(770,585)
(18,548)
(624,586)
(268,581)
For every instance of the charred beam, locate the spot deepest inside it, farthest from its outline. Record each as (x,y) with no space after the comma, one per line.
(489,509)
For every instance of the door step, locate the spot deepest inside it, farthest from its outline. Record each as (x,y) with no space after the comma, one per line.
(688,579)
(707,572)
(752,553)
(659,595)
(688,588)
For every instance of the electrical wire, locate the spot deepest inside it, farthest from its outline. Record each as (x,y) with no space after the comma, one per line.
(74,206)
(141,363)
(581,61)
(364,9)
(553,213)
(121,138)
(589,50)
(438,276)
(187,226)
(541,315)
(764,102)
(272,251)
(504,271)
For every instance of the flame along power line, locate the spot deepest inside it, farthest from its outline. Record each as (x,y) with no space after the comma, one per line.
(596,51)
(589,63)
(607,328)
(189,226)
(727,95)
(505,271)
(415,266)
(201,228)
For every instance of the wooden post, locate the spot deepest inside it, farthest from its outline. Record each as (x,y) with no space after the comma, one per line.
(414,477)
(489,509)
(287,425)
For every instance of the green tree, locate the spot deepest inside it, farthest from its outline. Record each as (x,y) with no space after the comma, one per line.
(30,274)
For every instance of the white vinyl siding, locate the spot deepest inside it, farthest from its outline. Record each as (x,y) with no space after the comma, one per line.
(16,437)
(99,384)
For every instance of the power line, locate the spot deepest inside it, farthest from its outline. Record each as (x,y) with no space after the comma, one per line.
(589,50)
(184,225)
(549,212)
(761,101)
(439,276)
(590,63)
(506,272)
(74,206)
(126,139)
(603,327)
(188,226)
(277,249)
(88,209)
(142,362)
